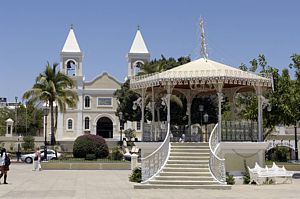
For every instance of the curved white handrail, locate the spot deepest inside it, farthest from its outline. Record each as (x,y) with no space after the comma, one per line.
(153,163)
(216,164)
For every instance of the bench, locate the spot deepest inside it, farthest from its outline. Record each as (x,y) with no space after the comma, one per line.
(264,175)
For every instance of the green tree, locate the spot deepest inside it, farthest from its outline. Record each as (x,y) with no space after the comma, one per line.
(284,98)
(53,86)
(126,97)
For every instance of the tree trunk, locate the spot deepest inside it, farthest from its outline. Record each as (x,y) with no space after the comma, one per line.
(52,141)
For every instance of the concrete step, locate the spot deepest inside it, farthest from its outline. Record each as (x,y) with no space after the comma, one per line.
(186,165)
(189,144)
(171,169)
(187,162)
(168,186)
(188,157)
(182,150)
(189,154)
(204,174)
(181,182)
(185,178)
(189,147)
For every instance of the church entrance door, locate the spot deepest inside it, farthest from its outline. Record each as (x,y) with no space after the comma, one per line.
(105,127)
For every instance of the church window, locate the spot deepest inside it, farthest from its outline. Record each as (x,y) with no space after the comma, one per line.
(71,68)
(70,124)
(87,102)
(86,123)
(138,125)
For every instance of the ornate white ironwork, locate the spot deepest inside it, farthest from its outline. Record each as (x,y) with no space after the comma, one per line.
(216,164)
(201,77)
(153,163)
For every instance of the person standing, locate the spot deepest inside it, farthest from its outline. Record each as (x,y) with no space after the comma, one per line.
(37,160)
(4,164)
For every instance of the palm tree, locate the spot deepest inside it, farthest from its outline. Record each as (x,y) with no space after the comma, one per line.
(53,86)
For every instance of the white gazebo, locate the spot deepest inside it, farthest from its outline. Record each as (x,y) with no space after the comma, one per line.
(206,77)
(202,76)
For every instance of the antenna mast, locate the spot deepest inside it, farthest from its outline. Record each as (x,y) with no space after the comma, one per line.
(203,51)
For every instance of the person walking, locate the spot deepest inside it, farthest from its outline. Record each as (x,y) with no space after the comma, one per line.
(4,164)
(37,160)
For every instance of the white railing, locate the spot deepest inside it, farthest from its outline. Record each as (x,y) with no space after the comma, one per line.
(153,163)
(216,164)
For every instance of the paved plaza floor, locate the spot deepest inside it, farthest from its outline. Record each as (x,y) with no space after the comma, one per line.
(104,184)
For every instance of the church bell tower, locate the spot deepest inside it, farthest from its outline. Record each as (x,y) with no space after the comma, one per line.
(137,55)
(71,57)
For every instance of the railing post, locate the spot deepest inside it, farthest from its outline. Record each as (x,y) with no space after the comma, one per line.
(134,161)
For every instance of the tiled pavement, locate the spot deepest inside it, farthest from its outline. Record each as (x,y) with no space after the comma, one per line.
(25,183)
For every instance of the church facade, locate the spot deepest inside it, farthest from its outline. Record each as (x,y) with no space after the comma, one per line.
(95,112)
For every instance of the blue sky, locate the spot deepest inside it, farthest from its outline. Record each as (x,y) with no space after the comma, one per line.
(33,32)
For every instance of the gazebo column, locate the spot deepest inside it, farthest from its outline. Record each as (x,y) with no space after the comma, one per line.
(259,118)
(153,132)
(169,105)
(143,109)
(189,112)
(219,88)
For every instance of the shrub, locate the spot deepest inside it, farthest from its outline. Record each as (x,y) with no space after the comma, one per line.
(230,179)
(90,157)
(129,133)
(246,177)
(28,143)
(90,144)
(136,175)
(116,154)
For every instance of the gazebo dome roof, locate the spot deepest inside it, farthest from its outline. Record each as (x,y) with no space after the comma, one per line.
(201,71)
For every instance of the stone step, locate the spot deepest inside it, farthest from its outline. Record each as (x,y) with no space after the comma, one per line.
(204,174)
(186,165)
(187,162)
(188,157)
(190,150)
(169,186)
(189,144)
(181,182)
(189,154)
(171,169)
(185,178)
(189,147)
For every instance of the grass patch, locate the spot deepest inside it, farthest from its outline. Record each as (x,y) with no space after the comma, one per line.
(74,160)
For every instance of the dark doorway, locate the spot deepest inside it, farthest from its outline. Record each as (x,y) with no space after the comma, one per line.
(105,127)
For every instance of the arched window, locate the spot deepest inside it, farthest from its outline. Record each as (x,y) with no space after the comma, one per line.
(86,123)
(71,68)
(87,102)
(70,124)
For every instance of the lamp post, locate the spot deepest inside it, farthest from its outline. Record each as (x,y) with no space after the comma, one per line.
(201,109)
(16,119)
(121,125)
(18,152)
(296,142)
(45,112)
(205,118)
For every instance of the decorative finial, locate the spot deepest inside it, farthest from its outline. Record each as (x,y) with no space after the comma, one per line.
(203,44)
(138,27)
(72,26)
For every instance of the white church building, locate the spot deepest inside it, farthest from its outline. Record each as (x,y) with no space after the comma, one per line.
(96,108)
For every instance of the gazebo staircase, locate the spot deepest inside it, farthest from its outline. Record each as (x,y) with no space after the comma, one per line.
(186,168)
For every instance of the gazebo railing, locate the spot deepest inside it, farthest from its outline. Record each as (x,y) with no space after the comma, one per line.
(216,164)
(239,131)
(154,132)
(153,163)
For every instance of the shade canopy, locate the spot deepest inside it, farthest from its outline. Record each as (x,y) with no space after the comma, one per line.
(201,71)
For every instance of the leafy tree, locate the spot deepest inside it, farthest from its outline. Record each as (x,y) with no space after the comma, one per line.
(284,99)
(53,86)
(126,97)
(27,116)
